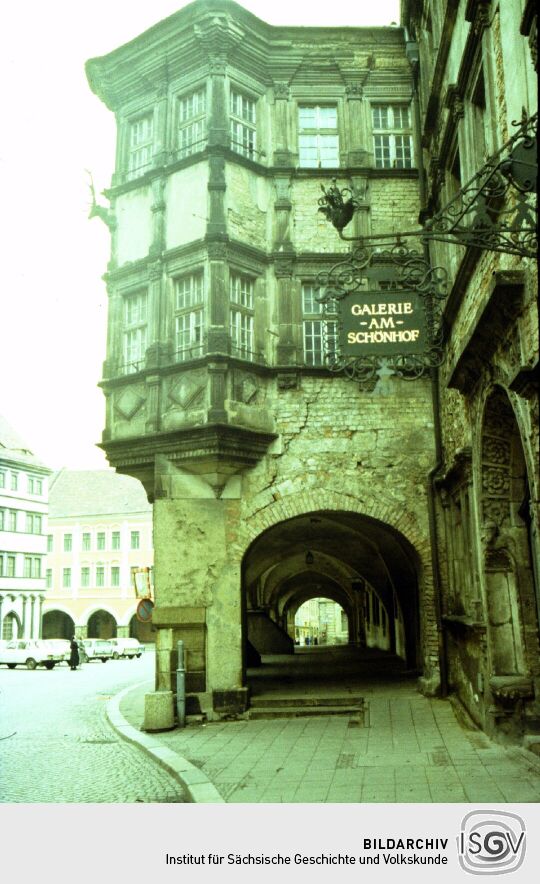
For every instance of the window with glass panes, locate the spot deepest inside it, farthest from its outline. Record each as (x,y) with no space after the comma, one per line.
(67,542)
(10,566)
(135,540)
(100,576)
(14,481)
(115,537)
(33,523)
(115,576)
(243,124)
(192,123)
(141,137)
(101,540)
(66,578)
(85,577)
(86,541)
(241,317)
(318,140)
(189,316)
(392,138)
(48,578)
(135,331)
(320,333)
(49,543)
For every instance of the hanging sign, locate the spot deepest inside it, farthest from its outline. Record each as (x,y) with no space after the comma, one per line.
(382,323)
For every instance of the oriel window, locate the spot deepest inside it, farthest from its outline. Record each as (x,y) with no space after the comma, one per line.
(318,140)
(192,123)
(243,125)
(392,136)
(189,316)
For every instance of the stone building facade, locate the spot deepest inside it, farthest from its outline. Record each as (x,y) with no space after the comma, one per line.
(476,75)
(23,536)
(269,473)
(99,533)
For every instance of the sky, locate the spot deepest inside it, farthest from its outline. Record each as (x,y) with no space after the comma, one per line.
(53,300)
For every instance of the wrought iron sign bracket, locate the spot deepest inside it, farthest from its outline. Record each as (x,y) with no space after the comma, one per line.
(495,211)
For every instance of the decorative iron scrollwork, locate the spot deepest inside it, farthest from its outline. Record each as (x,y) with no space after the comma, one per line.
(496,210)
(402,270)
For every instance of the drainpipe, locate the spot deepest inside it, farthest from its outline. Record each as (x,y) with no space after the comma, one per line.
(411,49)
(181,686)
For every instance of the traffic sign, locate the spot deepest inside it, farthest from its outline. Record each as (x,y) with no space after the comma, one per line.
(144,610)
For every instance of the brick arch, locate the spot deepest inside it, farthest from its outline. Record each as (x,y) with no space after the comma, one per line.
(388,514)
(299,504)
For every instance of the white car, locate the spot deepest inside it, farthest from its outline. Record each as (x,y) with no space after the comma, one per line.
(30,653)
(126,647)
(98,649)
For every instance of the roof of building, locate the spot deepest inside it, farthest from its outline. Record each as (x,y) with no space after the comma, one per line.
(14,448)
(95,492)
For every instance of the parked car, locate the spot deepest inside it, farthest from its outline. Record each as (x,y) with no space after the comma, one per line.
(126,647)
(30,653)
(97,649)
(63,646)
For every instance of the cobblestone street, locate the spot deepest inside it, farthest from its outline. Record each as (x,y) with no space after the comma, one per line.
(57,746)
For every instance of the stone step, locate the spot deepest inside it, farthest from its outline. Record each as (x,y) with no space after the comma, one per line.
(305,711)
(307,701)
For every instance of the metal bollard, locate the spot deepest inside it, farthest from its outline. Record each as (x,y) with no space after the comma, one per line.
(181,686)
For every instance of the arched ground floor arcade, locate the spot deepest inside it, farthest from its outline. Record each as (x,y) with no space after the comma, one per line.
(232,597)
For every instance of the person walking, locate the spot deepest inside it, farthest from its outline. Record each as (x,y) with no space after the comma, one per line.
(74,654)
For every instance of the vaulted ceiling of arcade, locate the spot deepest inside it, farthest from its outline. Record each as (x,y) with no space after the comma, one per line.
(326,554)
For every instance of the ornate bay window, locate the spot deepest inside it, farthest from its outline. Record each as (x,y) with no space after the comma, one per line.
(189,316)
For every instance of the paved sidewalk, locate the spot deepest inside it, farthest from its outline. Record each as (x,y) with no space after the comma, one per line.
(414,750)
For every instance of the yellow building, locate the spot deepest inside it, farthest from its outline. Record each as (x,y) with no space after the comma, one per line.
(100,534)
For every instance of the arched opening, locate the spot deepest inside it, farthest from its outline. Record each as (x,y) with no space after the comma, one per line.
(57,624)
(11,627)
(101,625)
(144,632)
(356,565)
(509,578)
(320,622)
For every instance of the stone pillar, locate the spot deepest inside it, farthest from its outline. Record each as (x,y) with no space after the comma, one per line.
(198,598)
(40,617)
(24,618)
(32,610)
(122,631)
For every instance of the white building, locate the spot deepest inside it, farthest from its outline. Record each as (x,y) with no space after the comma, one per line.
(23,536)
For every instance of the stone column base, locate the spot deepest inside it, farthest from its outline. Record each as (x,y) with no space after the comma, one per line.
(158,711)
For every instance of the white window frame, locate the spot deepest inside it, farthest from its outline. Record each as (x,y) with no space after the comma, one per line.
(66,578)
(86,576)
(243,124)
(318,145)
(135,334)
(115,576)
(315,328)
(242,314)
(101,541)
(192,122)
(68,542)
(392,140)
(116,540)
(135,544)
(140,144)
(86,542)
(189,316)
(100,576)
